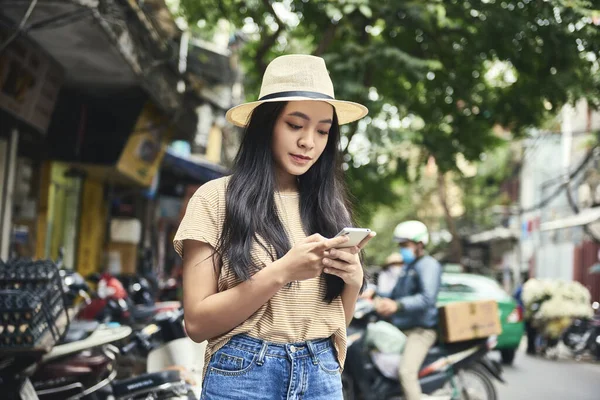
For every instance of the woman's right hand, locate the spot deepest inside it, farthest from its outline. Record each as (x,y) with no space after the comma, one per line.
(305,259)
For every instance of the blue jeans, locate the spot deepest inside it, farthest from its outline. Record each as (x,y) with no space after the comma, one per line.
(252,369)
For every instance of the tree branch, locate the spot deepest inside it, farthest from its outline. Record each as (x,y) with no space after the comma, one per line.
(326,40)
(223,9)
(456,252)
(269,40)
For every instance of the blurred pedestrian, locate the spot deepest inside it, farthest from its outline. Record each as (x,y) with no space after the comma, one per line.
(530,329)
(389,274)
(386,277)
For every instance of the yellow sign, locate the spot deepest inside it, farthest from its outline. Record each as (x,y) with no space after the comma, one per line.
(146,146)
(92,228)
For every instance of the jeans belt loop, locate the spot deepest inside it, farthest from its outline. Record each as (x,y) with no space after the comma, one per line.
(263,352)
(313,353)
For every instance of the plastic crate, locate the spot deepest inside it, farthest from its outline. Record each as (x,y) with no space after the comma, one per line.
(33,311)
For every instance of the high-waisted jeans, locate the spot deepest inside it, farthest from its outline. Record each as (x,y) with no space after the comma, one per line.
(252,369)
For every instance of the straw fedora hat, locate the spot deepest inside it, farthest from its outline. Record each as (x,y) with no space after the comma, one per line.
(297,77)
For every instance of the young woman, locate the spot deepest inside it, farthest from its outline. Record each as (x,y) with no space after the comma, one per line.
(262,281)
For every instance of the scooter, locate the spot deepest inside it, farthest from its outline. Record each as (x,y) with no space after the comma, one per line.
(458,370)
(111,302)
(86,368)
(584,335)
(83,363)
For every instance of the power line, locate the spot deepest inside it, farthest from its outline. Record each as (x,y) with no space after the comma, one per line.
(564,185)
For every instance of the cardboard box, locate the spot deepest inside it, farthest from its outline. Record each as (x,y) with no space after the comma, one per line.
(123,258)
(469,320)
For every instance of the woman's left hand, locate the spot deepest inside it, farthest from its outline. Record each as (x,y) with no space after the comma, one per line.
(345,263)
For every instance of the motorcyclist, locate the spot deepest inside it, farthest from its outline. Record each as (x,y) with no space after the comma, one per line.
(411,306)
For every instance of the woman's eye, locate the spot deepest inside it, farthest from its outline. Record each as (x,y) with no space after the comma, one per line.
(294,127)
(324,132)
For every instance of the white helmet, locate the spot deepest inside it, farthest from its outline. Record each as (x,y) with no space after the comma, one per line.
(415,231)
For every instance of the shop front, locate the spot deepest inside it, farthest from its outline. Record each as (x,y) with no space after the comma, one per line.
(30,81)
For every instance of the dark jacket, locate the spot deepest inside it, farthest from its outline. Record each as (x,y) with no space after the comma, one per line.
(416,292)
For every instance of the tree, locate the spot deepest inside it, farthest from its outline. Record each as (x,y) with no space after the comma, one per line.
(440,74)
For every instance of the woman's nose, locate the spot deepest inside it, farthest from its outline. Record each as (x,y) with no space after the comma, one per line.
(307,140)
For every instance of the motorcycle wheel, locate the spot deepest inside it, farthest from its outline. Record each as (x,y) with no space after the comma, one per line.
(595,346)
(348,387)
(475,374)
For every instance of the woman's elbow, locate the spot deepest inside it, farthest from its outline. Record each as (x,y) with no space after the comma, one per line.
(195,331)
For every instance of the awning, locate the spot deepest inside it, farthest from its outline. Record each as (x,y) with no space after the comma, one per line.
(498,233)
(585,217)
(196,169)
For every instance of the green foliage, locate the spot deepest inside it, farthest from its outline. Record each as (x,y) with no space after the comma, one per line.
(438,73)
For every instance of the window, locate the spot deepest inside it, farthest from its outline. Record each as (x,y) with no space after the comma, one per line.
(456,287)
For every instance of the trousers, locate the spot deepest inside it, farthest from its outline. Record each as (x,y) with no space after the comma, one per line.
(418,343)
(252,369)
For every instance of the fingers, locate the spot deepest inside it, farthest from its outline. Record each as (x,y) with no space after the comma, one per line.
(336,264)
(366,240)
(314,238)
(334,242)
(347,254)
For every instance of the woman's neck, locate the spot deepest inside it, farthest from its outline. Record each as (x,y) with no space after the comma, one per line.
(286,183)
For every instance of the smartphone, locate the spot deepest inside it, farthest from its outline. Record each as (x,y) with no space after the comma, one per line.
(355,236)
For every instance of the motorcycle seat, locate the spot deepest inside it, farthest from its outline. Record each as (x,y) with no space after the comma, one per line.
(79,330)
(143,383)
(452,348)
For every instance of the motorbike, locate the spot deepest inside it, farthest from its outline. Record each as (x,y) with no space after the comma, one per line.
(86,369)
(111,302)
(584,335)
(50,356)
(457,370)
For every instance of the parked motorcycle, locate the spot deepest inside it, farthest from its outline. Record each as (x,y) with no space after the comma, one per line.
(65,359)
(111,302)
(460,370)
(584,335)
(86,369)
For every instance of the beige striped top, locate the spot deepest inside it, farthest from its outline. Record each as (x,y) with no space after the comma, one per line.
(297,312)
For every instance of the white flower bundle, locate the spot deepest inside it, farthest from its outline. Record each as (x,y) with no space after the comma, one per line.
(558,308)
(536,290)
(557,299)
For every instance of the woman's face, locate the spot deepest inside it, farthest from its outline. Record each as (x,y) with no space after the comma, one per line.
(300,136)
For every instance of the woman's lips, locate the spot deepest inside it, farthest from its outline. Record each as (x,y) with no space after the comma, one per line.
(301,160)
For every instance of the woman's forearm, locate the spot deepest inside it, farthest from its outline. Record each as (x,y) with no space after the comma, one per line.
(349,298)
(221,312)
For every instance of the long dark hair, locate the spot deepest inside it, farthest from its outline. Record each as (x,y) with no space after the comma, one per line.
(250,209)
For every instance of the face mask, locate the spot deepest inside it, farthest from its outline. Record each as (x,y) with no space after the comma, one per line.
(407,254)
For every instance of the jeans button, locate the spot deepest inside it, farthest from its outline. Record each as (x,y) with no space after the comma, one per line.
(293,348)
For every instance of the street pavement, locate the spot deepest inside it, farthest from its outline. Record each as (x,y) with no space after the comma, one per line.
(533,378)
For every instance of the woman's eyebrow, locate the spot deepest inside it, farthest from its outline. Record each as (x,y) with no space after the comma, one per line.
(306,117)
